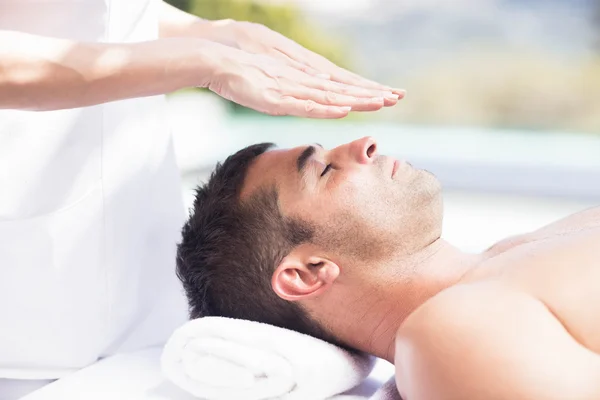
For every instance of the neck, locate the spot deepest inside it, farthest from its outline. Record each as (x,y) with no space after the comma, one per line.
(394,289)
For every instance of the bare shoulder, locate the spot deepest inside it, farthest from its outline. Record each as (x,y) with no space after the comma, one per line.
(488,341)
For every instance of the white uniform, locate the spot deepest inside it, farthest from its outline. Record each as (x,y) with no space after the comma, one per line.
(90,210)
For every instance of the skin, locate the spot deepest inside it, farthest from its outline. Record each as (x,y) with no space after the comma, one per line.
(519,320)
(240,61)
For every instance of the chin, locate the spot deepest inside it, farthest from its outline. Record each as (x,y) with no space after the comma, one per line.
(431,198)
(429,185)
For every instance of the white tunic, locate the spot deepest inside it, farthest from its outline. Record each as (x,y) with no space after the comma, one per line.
(90,210)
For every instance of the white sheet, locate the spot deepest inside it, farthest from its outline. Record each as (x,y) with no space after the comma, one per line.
(137,376)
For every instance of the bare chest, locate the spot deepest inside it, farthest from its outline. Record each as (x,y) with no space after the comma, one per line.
(563,272)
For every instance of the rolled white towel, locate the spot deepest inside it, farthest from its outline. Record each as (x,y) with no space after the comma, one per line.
(217,358)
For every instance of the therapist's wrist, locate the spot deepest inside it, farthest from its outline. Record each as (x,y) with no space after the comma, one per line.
(165,65)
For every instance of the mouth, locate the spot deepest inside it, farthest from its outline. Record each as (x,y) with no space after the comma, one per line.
(395,166)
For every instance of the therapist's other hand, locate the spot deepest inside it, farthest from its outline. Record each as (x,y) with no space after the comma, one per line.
(275,87)
(259,39)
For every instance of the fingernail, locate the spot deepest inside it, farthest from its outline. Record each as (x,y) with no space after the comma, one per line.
(346,109)
(323,76)
(391,96)
(377,100)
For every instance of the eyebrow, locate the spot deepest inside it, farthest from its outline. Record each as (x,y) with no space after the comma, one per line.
(304,156)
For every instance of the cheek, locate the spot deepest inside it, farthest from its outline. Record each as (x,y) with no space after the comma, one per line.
(363,194)
(356,207)
(357,195)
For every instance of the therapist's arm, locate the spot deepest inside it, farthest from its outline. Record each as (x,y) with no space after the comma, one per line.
(42,73)
(484,342)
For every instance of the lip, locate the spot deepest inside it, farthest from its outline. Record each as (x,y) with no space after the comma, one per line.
(395,167)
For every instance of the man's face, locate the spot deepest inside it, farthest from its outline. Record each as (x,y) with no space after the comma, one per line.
(363,205)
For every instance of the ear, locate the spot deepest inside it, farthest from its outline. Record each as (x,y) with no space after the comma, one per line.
(301,276)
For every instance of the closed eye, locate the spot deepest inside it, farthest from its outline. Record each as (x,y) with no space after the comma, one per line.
(327,168)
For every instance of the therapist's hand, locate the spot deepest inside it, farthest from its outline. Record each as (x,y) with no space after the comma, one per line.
(259,39)
(277,87)
(270,73)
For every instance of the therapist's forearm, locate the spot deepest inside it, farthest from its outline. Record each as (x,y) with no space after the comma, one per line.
(41,73)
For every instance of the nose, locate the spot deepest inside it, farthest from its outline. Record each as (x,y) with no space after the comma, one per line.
(364,150)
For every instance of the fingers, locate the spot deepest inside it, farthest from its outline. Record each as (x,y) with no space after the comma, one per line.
(318,66)
(309,109)
(349,78)
(334,99)
(344,89)
(316,62)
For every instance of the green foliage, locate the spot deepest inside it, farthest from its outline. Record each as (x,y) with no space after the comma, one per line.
(181,4)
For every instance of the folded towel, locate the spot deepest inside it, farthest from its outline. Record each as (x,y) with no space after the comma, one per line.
(216,358)
(387,392)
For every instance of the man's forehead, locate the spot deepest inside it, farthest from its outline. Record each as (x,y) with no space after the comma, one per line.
(269,168)
(274,157)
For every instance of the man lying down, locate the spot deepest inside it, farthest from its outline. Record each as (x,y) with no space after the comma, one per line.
(344,245)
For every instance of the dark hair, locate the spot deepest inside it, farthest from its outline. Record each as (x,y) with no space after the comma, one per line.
(230,249)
